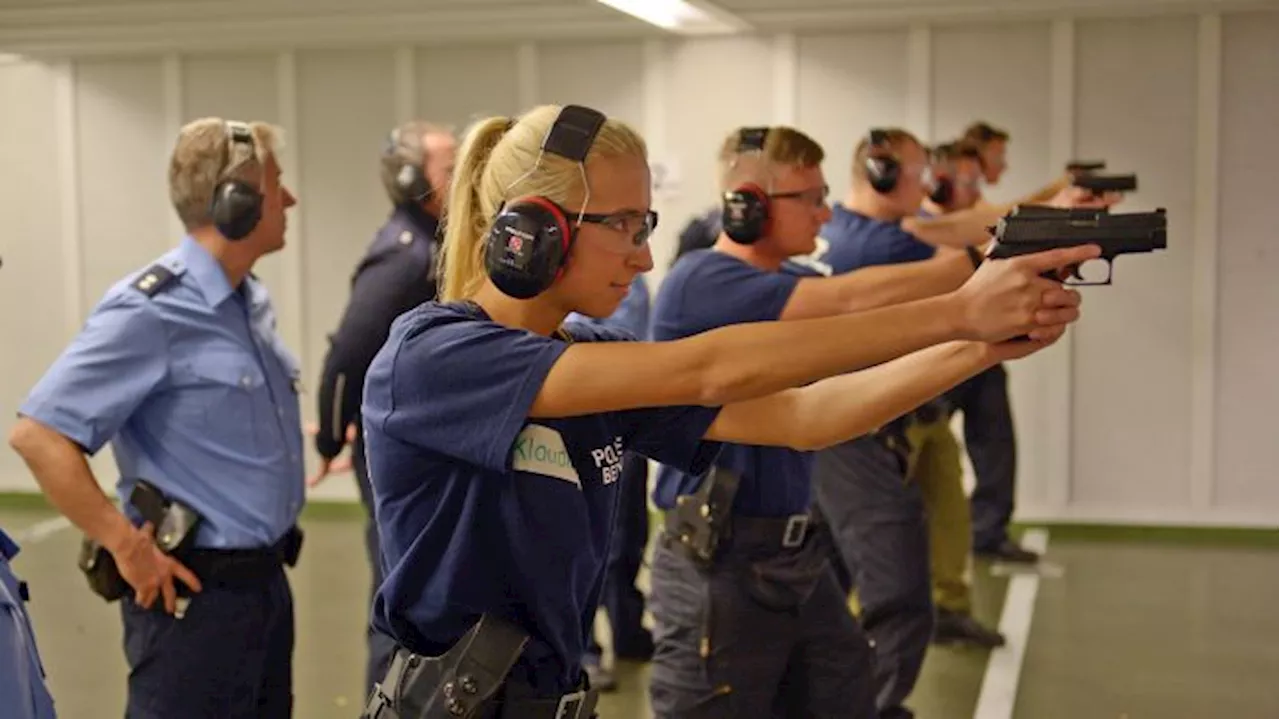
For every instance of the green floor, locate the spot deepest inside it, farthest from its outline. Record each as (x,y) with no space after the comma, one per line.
(1130,628)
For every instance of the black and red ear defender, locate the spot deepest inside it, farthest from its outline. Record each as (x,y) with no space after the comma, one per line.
(882,166)
(526,247)
(744,211)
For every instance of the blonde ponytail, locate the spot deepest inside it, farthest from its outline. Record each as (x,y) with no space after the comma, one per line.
(466,218)
(497,163)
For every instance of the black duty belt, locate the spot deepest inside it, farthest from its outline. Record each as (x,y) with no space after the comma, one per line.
(765,533)
(243,566)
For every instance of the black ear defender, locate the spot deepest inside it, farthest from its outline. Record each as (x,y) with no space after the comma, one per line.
(236,207)
(882,166)
(943,187)
(744,210)
(526,247)
(411,178)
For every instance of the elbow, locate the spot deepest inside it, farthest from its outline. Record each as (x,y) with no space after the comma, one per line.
(24,436)
(725,382)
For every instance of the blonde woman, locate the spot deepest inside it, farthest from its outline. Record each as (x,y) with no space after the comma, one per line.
(495,436)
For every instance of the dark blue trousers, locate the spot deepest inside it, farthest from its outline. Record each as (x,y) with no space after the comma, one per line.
(229,657)
(380,646)
(992,446)
(877,521)
(623,603)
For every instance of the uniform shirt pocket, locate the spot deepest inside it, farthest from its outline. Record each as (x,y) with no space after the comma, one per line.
(224,396)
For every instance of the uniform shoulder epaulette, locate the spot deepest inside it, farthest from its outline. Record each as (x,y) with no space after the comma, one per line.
(156,278)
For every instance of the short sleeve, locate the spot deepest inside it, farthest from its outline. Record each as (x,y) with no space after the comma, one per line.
(106,372)
(462,389)
(744,294)
(674,436)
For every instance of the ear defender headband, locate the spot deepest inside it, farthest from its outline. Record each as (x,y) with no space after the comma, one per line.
(744,210)
(236,206)
(411,178)
(881,165)
(530,238)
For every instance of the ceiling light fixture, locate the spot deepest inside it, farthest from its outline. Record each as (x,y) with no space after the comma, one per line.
(687,17)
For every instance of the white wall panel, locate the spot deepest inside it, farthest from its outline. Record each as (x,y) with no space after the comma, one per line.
(1132,350)
(1000,74)
(847,84)
(34,274)
(123,165)
(1246,469)
(606,76)
(487,87)
(346,107)
(713,86)
(83,158)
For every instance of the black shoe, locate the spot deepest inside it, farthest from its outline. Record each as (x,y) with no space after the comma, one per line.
(1007,551)
(962,628)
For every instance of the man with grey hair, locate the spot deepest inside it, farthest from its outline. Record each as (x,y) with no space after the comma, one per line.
(179,366)
(395,275)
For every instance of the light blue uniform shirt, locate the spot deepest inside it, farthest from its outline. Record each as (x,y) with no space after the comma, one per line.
(632,315)
(23,694)
(197,394)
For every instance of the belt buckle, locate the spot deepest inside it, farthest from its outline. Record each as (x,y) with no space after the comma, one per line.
(797,528)
(570,706)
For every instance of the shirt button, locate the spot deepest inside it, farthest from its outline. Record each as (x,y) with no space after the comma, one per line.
(246,381)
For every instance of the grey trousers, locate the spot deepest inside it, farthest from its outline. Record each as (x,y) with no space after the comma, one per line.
(881,537)
(720,654)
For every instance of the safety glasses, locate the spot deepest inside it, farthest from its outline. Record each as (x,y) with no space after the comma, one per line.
(630,230)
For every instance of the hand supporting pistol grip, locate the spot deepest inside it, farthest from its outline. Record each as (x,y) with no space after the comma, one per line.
(1030,229)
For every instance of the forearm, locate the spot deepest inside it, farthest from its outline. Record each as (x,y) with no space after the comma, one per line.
(1046,193)
(884,285)
(752,360)
(958,229)
(338,400)
(60,469)
(841,408)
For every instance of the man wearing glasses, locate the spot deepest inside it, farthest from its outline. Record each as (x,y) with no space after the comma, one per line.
(773,205)
(876,516)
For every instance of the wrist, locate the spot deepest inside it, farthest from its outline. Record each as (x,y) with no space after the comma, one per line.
(119,534)
(952,310)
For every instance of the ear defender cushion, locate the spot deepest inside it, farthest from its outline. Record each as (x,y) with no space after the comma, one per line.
(942,191)
(527,246)
(883,173)
(413,183)
(745,213)
(236,209)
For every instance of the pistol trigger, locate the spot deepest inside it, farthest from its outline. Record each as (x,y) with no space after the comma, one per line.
(1074,270)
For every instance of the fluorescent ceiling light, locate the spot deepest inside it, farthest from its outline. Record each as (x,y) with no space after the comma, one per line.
(683,16)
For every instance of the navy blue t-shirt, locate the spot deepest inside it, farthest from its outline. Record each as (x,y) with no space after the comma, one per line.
(708,289)
(851,240)
(482,510)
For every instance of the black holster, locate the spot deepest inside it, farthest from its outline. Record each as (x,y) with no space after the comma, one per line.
(457,684)
(175,525)
(702,521)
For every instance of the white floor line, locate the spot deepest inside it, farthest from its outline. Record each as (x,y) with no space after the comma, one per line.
(1000,683)
(42,530)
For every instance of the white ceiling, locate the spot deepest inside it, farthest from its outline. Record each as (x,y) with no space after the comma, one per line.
(79,27)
